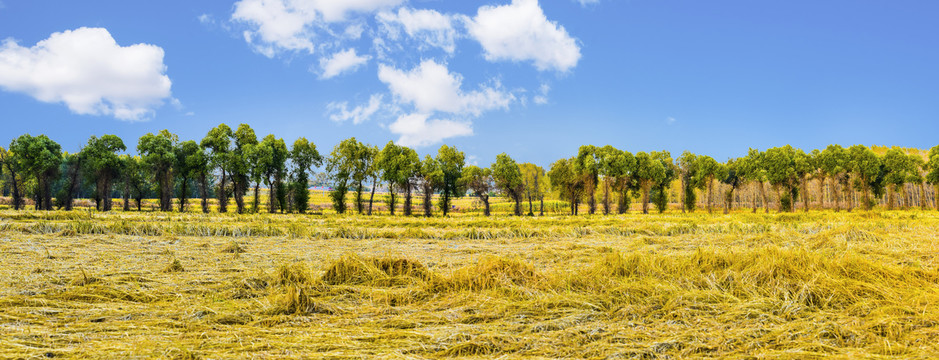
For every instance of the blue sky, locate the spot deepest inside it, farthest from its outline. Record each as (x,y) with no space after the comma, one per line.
(535,79)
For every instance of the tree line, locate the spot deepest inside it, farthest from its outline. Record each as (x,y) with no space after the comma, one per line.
(228,164)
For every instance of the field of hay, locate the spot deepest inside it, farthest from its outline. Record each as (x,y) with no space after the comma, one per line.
(142,285)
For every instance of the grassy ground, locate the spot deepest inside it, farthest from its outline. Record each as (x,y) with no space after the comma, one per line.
(127,285)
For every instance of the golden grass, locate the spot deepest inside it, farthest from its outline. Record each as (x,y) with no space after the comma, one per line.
(186,286)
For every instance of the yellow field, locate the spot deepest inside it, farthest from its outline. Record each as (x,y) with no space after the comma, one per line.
(141,285)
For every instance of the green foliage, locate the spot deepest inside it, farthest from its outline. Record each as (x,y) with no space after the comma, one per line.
(343,163)
(304,157)
(38,157)
(866,167)
(450,162)
(566,181)
(508,178)
(159,157)
(398,164)
(102,164)
(687,165)
(479,181)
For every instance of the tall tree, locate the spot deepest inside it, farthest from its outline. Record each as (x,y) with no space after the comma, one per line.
(660,191)
(508,178)
(932,177)
(134,179)
(373,171)
(535,185)
(272,168)
(566,181)
(450,162)
(780,165)
(102,166)
(649,172)
(899,168)
(218,141)
(341,166)
(304,157)
(707,171)
(191,164)
(72,168)
(753,171)
(866,168)
(9,161)
(429,179)
(587,166)
(687,169)
(805,166)
(479,181)
(733,181)
(832,164)
(39,157)
(239,162)
(158,154)
(397,165)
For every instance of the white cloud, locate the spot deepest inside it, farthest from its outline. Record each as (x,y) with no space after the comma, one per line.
(418,130)
(429,26)
(206,19)
(542,97)
(288,25)
(359,114)
(587,2)
(431,87)
(341,62)
(89,72)
(521,32)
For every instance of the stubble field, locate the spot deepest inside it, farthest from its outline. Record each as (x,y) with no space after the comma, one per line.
(144,285)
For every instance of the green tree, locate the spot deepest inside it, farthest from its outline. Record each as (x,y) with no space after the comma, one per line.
(341,165)
(687,173)
(271,165)
(304,157)
(733,182)
(587,165)
(398,164)
(159,157)
(805,166)
(102,166)
(866,168)
(218,141)
(707,170)
(192,163)
(509,180)
(39,157)
(536,185)
(373,171)
(240,164)
(429,179)
(780,165)
(450,163)
(833,167)
(135,181)
(932,176)
(479,181)
(649,172)
(72,168)
(918,178)
(9,161)
(899,169)
(566,181)
(660,190)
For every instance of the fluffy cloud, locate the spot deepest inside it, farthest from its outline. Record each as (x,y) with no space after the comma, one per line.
(428,26)
(587,2)
(89,72)
(418,129)
(359,114)
(289,24)
(341,62)
(521,32)
(431,87)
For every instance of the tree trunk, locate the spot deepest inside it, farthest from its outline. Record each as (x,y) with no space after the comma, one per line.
(372,196)
(905,204)
(183,194)
(541,207)
(126,195)
(728,200)
(222,194)
(710,190)
(891,197)
(606,197)
(832,187)
(271,196)
(623,205)
(257,197)
(531,207)
(428,201)
(805,195)
(485,199)
(407,200)
(682,194)
(765,198)
(753,198)
(646,187)
(518,204)
(922,196)
(393,198)
(239,185)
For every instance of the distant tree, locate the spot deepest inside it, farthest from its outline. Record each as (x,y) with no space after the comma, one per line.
(218,141)
(158,154)
(479,181)
(451,162)
(918,178)
(687,173)
(536,185)
(832,163)
(12,166)
(430,178)
(304,157)
(899,169)
(566,181)
(102,165)
(707,170)
(239,162)
(39,157)
(753,171)
(733,181)
(866,168)
(932,177)
(273,170)
(805,166)
(398,164)
(780,165)
(341,165)
(191,164)
(509,180)
(660,190)
(258,159)
(72,168)
(587,166)
(135,180)
(372,171)
(649,172)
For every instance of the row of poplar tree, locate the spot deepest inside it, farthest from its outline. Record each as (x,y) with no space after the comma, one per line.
(229,163)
